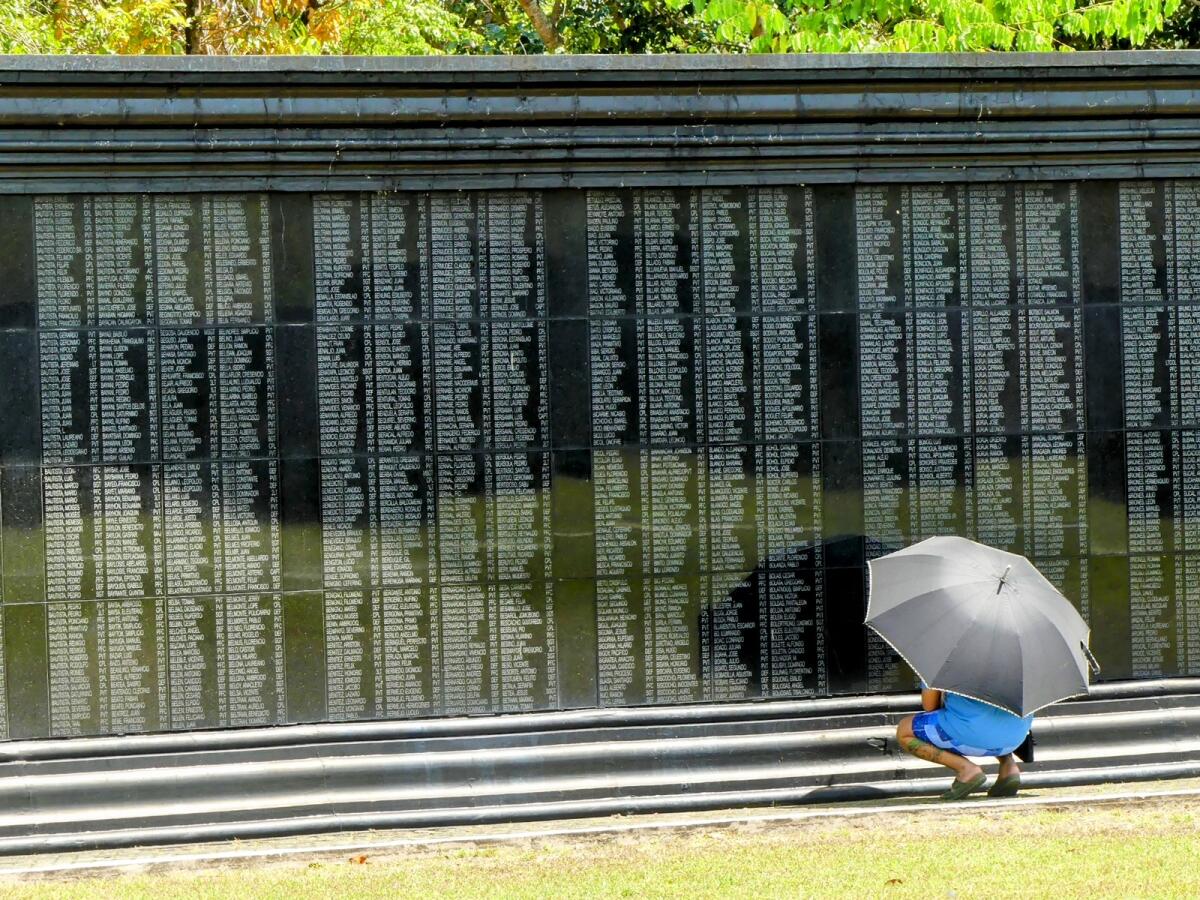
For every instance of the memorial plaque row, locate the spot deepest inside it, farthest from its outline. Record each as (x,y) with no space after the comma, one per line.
(290,457)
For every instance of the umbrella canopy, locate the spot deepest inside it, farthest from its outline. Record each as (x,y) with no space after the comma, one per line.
(980,622)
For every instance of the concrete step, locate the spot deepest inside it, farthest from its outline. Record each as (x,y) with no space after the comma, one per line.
(306,779)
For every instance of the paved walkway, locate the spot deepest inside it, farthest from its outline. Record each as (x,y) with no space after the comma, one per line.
(319,846)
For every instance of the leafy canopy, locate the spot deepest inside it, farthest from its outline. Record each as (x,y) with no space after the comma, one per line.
(934,25)
(397,27)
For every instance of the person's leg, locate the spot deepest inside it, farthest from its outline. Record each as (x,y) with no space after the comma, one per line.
(1008,766)
(964,769)
(1008,779)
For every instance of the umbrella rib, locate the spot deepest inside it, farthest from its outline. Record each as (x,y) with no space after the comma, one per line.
(1063,617)
(960,601)
(992,634)
(957,564)
(903,655)
(954,584)
(1053,629)
(939,593)
(966,551)
(1070,653)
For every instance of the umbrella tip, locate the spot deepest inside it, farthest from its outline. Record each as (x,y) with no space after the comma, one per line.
(1003,579)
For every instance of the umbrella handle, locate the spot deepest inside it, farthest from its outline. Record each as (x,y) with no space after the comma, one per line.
(1091,660)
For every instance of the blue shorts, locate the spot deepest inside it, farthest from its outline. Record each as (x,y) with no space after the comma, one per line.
(928,727)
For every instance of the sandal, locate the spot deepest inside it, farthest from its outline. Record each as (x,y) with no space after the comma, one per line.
(1006,786)
(960,789)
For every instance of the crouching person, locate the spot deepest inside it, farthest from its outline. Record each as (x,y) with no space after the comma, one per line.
(953,728)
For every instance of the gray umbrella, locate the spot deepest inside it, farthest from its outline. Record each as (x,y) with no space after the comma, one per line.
(980,622)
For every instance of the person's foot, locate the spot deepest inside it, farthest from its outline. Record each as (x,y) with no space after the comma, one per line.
(1006,786)
(968,772)
(960,789)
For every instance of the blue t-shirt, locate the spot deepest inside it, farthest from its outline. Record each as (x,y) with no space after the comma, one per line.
(975,724)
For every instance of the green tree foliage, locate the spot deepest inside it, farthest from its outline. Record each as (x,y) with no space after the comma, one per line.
(584,26)
(801,26)
(1183,28)
(231,26)
(40,26)
(379,27)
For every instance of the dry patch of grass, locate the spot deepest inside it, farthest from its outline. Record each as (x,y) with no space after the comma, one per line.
(1149,849)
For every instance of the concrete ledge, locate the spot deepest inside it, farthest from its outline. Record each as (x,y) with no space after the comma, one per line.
(70,124)
(1177,689)
(160,789)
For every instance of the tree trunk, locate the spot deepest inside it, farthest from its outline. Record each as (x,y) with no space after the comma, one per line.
(58,13)
(546,31)
(192,32)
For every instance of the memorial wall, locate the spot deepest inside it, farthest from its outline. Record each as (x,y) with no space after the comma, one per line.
(271,457)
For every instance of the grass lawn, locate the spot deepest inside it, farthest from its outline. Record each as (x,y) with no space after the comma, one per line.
(1146,849)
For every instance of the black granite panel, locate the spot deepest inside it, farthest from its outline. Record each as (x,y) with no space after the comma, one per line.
(1107,510)
(570,384)
(1110,620)
(576,620)
(22,539)
(1100,223)
(196,683)
(573,515)
(292,257)
(20,436)
(26,671)
(845,638)
(343,456)
(295,387)
(18,268)
(566,253)
(834,234)
(841,489)
(300,516)
(305,662)
(839,398)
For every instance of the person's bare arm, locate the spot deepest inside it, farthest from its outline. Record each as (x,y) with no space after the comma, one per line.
(930,699)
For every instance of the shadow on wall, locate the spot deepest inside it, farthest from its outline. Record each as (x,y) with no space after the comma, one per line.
(792,626)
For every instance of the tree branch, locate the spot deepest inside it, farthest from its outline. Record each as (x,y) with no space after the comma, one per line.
(547,32)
